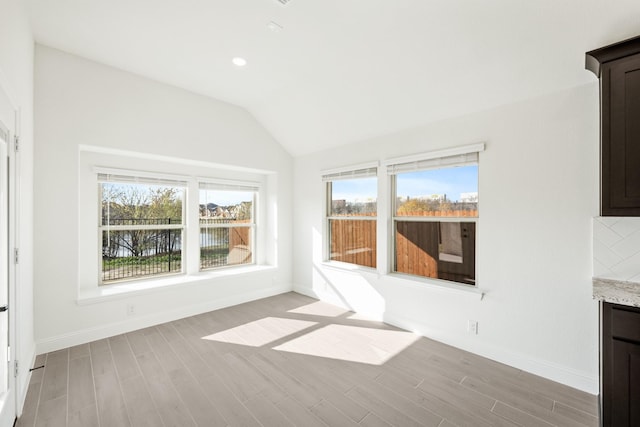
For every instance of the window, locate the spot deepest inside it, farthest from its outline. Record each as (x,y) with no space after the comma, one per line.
(435,213)
(351,216)
(144,227)
(227,224)
(141,227)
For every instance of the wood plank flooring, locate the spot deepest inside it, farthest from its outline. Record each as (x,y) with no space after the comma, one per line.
(288,360)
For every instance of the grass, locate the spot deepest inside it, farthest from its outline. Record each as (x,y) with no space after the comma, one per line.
(108,263)
(133,266)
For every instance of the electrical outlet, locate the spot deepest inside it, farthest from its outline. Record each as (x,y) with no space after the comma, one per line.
(131,309)
(472,327)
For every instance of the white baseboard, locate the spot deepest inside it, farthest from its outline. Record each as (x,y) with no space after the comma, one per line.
(562,374)
(138,322)
(326,297)
(307,292)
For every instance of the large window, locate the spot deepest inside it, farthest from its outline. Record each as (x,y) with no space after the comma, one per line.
(351,216)
(151,225)
(141,227)
(227,225)
(435,213)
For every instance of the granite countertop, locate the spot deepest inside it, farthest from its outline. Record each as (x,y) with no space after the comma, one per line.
(616,291)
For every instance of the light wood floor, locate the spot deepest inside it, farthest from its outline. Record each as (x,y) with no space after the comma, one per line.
(288,360)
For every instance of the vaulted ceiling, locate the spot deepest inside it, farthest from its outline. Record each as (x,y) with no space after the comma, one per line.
(336,72)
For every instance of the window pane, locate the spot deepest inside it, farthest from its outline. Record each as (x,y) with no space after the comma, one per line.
(438,192)
(441,250)
(131,254)
(353,241)
(354,197)
(225,246)
(232,206)
(141,204)
(222,246)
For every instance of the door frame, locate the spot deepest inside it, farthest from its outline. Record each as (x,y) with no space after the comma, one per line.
(13,244)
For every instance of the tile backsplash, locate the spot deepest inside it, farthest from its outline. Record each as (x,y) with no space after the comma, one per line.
(616,248)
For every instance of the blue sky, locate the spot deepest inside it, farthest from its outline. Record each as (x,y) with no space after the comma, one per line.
(449,181)
(355,190)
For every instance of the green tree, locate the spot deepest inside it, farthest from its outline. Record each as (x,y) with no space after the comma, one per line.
(135,204)
(415,206)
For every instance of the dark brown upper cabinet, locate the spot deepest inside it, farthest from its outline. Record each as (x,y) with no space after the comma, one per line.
(618,68)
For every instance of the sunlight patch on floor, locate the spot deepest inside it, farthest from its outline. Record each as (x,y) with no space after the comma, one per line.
(320,308)
(260,332)
(351,343)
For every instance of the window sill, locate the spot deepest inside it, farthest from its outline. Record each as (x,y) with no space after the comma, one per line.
(408,280)
(437,285)
(139,287)
(345,266)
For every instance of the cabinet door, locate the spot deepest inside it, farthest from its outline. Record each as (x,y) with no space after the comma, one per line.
(621,137)
(626,384)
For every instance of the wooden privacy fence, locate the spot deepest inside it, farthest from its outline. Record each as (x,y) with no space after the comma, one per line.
(418,247)
(419,251)
(353,241)
(239,236)
(239,245)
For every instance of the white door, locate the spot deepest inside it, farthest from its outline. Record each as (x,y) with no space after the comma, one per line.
(7,234)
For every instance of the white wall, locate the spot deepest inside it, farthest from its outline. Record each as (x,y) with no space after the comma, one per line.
(16,79)
(83,103)
(538,192)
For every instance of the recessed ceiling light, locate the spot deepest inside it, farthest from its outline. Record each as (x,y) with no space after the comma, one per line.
(274,26)
(239,62)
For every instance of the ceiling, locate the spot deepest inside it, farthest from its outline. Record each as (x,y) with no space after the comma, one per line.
(344,71)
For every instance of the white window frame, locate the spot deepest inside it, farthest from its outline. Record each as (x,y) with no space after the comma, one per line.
(367,170)
(190,246)
(94,158)
(442,159)
(139,177)
(225,185)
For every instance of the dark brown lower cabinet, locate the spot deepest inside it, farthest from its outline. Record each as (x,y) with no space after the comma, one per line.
(620,352)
